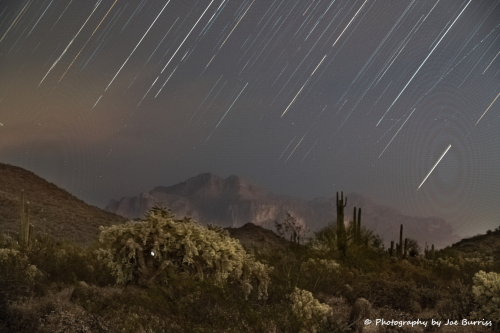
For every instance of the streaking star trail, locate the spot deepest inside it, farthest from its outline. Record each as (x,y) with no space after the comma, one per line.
(303,86)
(71,42)
(135,48)
(435,165)
(303,98)
(487,109)
(418,69)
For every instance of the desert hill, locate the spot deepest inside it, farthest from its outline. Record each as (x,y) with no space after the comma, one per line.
(252,237)
(54,210)
(234,202)
(487,245)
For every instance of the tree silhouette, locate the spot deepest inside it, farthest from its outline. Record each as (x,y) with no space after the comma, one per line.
(291,229)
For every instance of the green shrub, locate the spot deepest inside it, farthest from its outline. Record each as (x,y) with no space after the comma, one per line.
(429,296)
(68,263)
(18,279)
(445,269)
(315,273)
(325,240)
(457,301)
(386,290)
(17,276)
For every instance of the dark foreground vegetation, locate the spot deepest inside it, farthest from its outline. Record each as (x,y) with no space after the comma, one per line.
(313,286)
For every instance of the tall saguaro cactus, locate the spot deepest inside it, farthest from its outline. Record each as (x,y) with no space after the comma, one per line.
(358,229)
(341,234)
(26,226)
(405,254)
(400,249)
(354,229)
(356,225)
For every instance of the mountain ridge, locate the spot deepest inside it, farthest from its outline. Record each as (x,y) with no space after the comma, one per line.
(67,217)
(52,209)
(232,202)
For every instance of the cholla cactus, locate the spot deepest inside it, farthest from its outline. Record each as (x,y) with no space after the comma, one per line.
(140,252)
(486,290)
(311,313)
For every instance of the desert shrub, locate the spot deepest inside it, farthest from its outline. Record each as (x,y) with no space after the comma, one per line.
(52,313)
(365,258)
(412,269)
(429,296)
(457,301)
(67,263)
(445,269)
(361,310)
(18,277)
(139,252)
(472,265)
(486,290)
(316,272)
(325,240)
(414,249)
(311,313)
(184,305)
(386,290)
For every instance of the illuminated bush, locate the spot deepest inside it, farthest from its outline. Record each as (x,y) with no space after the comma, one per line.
(486,290)
(139,252)
(310,312)
(327,266)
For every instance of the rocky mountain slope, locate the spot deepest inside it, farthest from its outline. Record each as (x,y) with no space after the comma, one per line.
(234,202)
(487,245)
(52,209)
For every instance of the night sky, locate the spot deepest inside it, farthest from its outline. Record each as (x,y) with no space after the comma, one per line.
(397,100)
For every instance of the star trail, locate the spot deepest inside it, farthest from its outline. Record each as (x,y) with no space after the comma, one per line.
(110,98)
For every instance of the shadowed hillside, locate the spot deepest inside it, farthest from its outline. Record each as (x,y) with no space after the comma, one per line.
(52,209)
(487,244)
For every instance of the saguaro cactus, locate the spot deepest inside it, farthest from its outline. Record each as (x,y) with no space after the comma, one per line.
(405,254)
(400,248)
(358,229)
(354,229)
(26,226)
(356,225)
(341,234)
(391,250)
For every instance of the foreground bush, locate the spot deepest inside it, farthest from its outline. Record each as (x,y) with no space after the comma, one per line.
(311,313)
(139,252)
(486,292)
(18,277)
